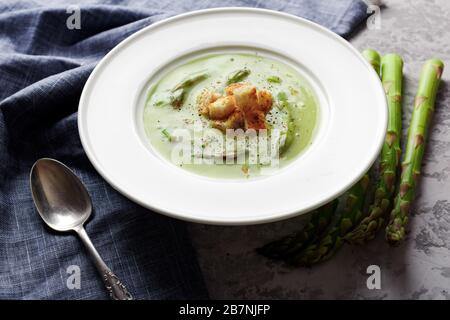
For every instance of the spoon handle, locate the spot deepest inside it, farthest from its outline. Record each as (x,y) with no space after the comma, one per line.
(116,289)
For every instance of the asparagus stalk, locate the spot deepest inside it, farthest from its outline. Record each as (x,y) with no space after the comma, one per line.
(391,70)
(238,76)
(180,91)
(330,243)
(352,213)
(295,242)
(373,57)
(292,247)
(417,134)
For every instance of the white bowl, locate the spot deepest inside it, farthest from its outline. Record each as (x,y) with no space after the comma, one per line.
(353,117)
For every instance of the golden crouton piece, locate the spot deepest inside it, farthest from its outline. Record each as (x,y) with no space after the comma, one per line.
(229,90)
(255,104)
(264,101)
(222,108)
(204,99)
(235,121)
(243,106)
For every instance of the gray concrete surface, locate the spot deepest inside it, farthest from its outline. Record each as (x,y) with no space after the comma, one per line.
(420,268)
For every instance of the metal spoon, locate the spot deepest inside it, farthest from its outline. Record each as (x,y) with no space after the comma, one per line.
(64,205)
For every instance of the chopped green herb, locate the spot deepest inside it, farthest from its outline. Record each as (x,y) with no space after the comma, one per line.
(167,134)
(274,79)
(282,96)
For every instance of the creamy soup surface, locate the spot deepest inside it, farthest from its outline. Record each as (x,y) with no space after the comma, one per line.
(192,112)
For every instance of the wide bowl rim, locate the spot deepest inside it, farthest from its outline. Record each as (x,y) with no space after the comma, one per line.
(189,216)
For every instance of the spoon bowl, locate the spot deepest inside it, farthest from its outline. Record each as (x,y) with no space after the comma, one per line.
(60,198)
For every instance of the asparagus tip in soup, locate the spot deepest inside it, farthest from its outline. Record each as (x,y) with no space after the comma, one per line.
(180,91)
(238,76)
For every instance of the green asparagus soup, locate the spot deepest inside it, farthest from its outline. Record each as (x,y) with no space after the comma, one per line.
(231,115)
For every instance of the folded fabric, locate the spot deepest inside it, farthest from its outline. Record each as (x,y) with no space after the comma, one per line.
(43,67)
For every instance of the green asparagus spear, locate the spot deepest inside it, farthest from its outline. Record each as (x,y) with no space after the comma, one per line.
(352,213)
(292,247)
(391,70)
(331,242)
(180,91)
(295,242)
(373,57)
(287,107)
(417,134)
(238,76)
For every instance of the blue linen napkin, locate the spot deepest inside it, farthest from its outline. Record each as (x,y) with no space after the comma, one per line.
(43,67)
